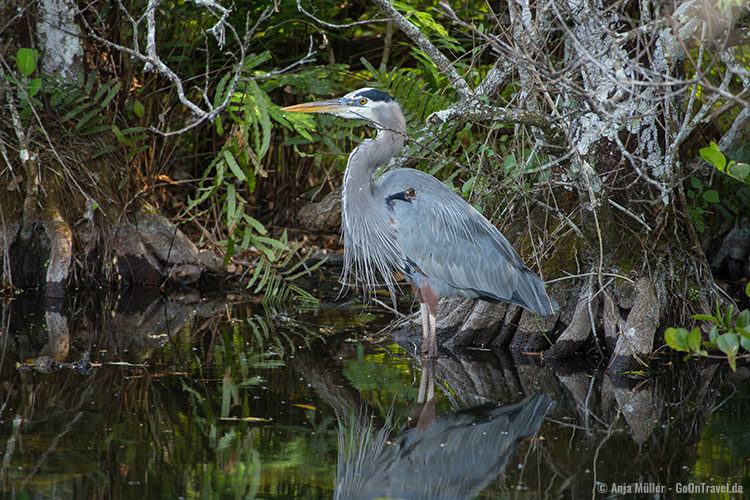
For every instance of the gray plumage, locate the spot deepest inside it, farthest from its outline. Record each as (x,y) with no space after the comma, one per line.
(408,221)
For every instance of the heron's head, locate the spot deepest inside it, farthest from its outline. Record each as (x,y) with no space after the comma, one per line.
(369,104)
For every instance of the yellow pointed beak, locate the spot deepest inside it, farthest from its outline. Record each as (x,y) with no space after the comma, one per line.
(330,106)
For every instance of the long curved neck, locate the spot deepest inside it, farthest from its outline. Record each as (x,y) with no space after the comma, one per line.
(371,154)
(368,243)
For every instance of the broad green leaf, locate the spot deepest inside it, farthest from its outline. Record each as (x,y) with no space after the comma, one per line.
(739,170)
(713,156)
(670,337)
(26,60)
(35,85)
(728,343)
(711,196)
(138,109)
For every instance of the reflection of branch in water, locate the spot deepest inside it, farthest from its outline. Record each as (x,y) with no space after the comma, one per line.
(451,456)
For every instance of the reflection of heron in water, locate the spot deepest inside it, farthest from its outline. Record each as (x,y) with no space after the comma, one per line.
(451,456)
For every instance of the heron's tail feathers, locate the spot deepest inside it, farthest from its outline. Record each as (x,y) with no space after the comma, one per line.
(531,294)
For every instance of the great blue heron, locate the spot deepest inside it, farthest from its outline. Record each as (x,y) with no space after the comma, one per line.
(408,221)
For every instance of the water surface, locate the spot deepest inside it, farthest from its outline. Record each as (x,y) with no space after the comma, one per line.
(147,396)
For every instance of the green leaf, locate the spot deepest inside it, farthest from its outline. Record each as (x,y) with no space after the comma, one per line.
(745,343)
(728,343)
(254,60)
(747,290)
(694,339)
(467,185)
(111,94)
(743,319)
(76,111)
(711,196)
(255,224)
(94,113)
(674,338)
(696,183)
(728,316)
(739,170)
(713,334)
(265,121)
(138,109)
(26,60)
(706,317)
(713,156)
(226,440)
(233,166)
(34,86)
(219,94)
(90,81)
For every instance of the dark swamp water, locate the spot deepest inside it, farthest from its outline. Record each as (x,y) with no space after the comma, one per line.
(147,396)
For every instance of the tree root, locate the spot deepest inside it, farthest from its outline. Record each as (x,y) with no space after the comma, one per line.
(635,341)
(60,252)
(627,315)
(579,329)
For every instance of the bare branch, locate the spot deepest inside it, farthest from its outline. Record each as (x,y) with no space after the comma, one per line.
(203,110)
(337,26)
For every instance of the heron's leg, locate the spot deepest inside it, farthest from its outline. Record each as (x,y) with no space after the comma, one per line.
(431,382)
(423,382)
(426,327)
(433,336)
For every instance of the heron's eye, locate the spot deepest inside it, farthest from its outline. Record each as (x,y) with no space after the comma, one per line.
(363,101)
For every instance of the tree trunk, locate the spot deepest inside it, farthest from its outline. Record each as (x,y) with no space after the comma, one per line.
(64,218)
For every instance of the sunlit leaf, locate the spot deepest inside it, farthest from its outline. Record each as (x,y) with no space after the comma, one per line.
(713,156)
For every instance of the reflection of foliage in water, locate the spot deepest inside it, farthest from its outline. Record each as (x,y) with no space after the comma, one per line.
(222,410)
(381,383)
(724,448)
(202,419)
